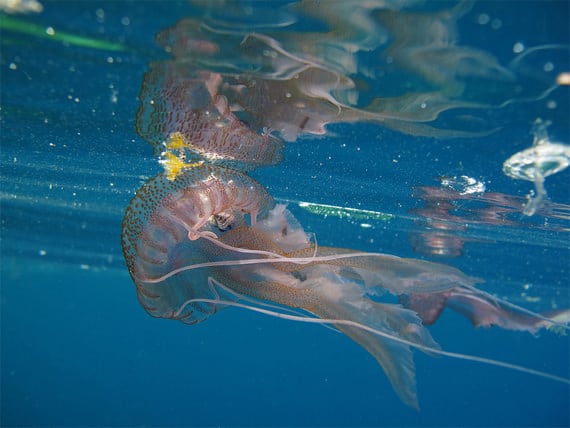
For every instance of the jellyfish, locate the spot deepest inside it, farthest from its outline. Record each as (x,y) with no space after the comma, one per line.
(191,252)
(543,159)
(204,235)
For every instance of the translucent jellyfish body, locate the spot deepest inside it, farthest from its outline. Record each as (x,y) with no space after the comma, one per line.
(536,163)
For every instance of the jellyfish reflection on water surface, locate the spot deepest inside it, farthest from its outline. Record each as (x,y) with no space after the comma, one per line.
(189,244)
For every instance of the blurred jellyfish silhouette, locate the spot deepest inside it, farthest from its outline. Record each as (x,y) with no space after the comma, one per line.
(391,64)
(543,159)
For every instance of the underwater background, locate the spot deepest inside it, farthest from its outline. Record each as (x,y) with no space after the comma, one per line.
(78,350)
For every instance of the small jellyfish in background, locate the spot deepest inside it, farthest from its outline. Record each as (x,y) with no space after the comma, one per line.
(535,164)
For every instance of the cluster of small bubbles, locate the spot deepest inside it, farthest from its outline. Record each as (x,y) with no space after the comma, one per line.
(463,184)
(484,19)
(114,94)
(526,296)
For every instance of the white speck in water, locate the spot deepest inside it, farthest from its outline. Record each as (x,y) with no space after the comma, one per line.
(518,47)
(483,19)
(563,79)
(551,104)
(100,13)
(548,66)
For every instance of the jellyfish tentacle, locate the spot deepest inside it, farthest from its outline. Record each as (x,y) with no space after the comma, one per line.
(426,349)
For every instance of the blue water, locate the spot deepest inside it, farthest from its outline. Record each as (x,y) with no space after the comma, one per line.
(78,350)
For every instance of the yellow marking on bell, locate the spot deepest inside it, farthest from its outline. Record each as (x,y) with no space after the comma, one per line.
(173,165)
(176,141)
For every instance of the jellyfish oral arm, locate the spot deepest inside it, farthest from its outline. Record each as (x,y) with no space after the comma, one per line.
(483,310)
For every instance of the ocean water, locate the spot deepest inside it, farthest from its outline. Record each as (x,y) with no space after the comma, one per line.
(77,349)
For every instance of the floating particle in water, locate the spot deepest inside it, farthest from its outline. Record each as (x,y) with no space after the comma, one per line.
(536,163)
(518,47)
(563,78)
(20,6)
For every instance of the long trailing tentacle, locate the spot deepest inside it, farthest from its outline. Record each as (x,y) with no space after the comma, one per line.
(316,320)
(278,258)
